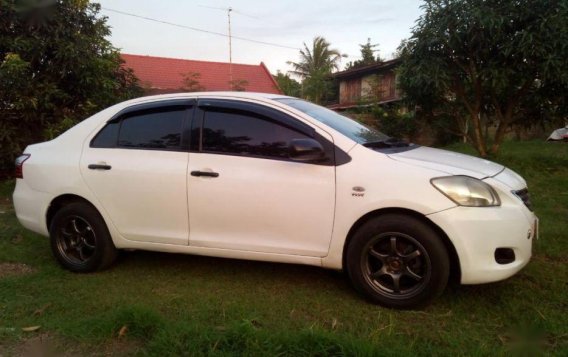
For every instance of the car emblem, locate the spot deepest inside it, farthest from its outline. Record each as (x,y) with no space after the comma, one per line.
(358,191)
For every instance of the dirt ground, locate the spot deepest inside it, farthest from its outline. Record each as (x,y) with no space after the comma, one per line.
(12,269)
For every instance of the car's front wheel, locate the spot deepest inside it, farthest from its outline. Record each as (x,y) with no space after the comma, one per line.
(80,240)
(398,261)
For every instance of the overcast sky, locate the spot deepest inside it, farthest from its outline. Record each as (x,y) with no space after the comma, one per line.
(345,24)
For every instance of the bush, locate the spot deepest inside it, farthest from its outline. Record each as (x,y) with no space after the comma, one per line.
(56,68)
(396,123)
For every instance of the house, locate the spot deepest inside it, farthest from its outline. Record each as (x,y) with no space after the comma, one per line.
(376,82)
(159,75)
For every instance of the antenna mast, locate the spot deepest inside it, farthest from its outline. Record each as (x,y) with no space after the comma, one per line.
(229,10)
(230,48)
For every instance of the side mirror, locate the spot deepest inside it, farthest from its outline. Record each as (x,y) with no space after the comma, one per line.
(306,150)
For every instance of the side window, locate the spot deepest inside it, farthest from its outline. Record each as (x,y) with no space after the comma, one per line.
(107,137)
(245,133)
(156,129)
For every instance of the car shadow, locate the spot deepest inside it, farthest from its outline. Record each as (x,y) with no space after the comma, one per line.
(156,265)
(249,271)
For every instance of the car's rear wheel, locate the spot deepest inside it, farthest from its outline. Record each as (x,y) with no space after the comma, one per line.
(80,240)
(398,261)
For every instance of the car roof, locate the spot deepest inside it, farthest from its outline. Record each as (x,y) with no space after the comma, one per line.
(243,95)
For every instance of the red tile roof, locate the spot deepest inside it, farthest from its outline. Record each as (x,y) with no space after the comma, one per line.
(166,74)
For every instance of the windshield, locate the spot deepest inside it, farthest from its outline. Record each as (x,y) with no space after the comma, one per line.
(348,127)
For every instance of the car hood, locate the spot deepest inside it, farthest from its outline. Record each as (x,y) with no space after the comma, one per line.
(448,162)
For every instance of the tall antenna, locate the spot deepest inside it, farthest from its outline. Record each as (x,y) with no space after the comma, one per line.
(229,10)
(230,48)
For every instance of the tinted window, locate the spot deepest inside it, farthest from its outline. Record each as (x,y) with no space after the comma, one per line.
(348,127)
(155,129)
(244,133)
(107,137)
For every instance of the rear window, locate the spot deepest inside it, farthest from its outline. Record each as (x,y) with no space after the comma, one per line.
(148,129)
(107,137)
(152,130)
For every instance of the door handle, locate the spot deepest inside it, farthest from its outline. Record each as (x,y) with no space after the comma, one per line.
(204,174)
(99,167)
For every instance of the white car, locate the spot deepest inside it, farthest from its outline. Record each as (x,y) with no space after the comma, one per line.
(274,178)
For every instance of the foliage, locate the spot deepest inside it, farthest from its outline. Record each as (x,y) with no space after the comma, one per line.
(315,67)
(317,86)
(368,57)
(393,120)
(375,89)
(288,85)
(56,68)
(191,82)
(444,128)
(395,123)
(238,85)
(486,62)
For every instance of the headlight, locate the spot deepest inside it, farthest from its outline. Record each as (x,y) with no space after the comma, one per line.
(467,191)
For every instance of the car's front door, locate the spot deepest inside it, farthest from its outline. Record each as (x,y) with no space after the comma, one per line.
(136,167)
(244,193)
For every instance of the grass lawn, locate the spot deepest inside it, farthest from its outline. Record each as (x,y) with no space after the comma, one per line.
(166,304)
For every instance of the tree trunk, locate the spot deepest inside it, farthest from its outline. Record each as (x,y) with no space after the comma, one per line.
(499,136)
(479,143)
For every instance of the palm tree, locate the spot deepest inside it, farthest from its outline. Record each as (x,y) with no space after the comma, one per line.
(315,66)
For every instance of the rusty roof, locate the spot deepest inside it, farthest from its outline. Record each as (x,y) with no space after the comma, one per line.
(361,71)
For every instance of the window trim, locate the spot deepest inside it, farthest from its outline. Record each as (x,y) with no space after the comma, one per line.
(194,119)
(189,106)
(261,110)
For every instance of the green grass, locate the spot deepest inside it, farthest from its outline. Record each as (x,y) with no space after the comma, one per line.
(190,305)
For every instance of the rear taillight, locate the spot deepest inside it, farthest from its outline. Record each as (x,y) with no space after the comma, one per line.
(20,165)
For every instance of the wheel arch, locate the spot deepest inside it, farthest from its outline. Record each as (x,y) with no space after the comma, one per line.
(60,201)
(455,270)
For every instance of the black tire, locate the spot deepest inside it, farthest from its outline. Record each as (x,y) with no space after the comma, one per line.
(80,240)
(375,264)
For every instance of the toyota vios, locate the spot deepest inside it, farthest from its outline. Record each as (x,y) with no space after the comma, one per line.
(274,178)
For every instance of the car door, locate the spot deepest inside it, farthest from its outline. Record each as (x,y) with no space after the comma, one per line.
(244,193)
(136,166)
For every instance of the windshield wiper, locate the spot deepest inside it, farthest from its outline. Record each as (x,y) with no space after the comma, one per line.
(387,143)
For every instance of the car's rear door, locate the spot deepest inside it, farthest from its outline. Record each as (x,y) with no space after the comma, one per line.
(136,167)
(244,193)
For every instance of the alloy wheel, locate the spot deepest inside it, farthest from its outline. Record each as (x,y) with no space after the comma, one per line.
(396,265)
(76,240)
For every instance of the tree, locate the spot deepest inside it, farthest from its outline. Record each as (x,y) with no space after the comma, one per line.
(56,68)
(314,68)
(367,56)
(238,85)
(482,62)
(288,85)
(191,82)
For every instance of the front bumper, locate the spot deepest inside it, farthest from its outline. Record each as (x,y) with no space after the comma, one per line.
(476,233)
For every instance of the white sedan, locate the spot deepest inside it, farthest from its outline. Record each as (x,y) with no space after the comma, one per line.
(274,178)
